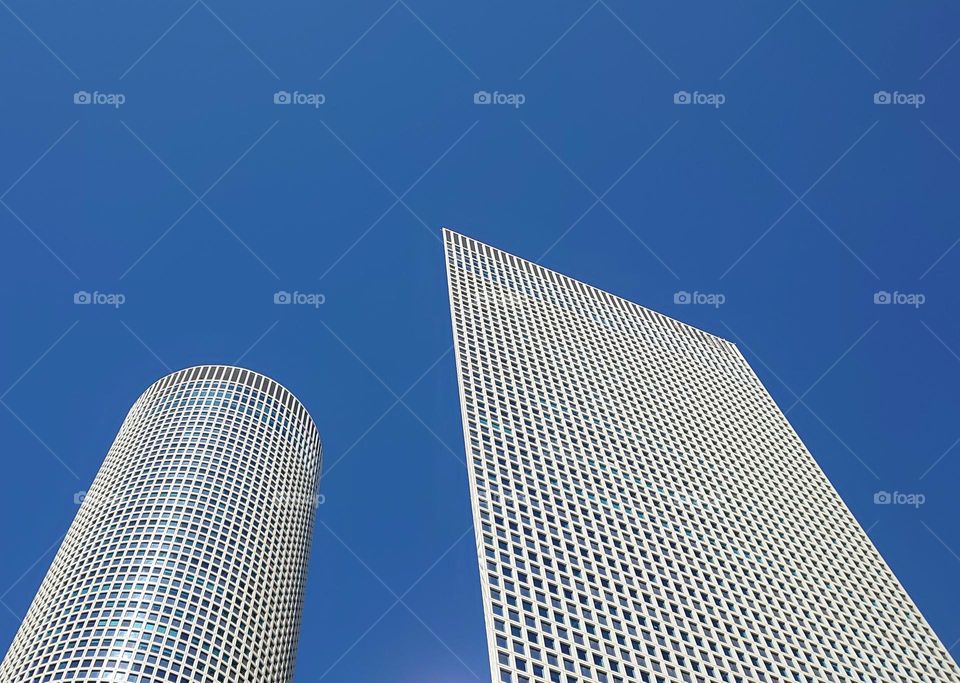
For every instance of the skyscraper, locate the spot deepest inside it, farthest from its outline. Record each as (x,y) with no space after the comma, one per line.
(643,509)
(187,560)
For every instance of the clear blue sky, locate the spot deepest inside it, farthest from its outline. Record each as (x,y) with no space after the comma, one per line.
(846,197)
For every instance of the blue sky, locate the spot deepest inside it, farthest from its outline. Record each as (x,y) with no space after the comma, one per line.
(797,199)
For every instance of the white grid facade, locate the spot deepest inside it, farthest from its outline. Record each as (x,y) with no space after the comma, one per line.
(643,509)
(187,559)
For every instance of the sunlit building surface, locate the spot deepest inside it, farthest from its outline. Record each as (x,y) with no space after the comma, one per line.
(643,509)
(187,559)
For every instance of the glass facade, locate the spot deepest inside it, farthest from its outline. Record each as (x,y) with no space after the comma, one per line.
(187,560)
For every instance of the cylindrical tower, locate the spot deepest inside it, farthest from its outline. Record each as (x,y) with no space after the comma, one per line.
(187,560)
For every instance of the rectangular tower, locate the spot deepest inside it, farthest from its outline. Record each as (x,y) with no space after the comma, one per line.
(643,509)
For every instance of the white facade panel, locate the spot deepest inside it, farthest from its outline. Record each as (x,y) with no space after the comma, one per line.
(643,509)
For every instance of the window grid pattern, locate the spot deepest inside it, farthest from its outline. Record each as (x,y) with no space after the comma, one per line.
(187,560)
(643,509)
